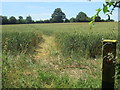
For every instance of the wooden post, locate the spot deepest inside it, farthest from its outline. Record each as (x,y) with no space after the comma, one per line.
(108,67)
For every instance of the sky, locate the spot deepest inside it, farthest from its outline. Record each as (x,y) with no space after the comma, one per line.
(41,10)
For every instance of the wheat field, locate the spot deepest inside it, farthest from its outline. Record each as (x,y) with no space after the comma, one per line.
(54,55)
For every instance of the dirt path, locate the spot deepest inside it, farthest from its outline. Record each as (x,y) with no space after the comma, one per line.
(44,49)
(50,61)
(47,53)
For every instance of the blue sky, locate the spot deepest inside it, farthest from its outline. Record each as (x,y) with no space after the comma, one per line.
(43,10)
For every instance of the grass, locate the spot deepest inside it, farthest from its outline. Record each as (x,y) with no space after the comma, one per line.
(57,55)
(19,42)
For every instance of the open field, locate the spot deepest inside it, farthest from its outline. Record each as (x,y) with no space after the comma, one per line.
(57,55)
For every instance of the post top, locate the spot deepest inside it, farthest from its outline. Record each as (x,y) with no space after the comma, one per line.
(109,40)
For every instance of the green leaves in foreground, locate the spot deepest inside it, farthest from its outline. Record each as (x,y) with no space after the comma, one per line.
(93,18)
(105,9)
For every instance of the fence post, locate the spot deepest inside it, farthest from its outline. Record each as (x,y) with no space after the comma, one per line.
(108,67)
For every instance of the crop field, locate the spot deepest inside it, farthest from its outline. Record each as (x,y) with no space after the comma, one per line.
(54,55)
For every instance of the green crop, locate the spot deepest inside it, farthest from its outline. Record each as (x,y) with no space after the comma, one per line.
(20,42)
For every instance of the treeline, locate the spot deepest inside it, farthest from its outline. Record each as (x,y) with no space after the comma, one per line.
(58,16)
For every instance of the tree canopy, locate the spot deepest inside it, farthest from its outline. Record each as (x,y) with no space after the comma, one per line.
(21,20)
(12,20)
(82,17)
(29,19)
(4,20)
(58,15)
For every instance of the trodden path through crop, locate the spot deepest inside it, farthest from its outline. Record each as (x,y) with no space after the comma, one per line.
(51,60)
(44,49)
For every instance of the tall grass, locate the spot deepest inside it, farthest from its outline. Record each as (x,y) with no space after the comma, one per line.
(17,49)
(73,40)
(86,45)
(20,42)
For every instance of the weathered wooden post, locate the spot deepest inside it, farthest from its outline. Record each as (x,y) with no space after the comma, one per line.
(108,67)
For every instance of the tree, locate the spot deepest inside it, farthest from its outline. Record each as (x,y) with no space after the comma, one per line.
(0,20)
(46,21)
(81,17)
(12,20)
(29,19)
(20,17)
(58,16)
(102,20)
(72,19)
(66,20)
(98,19)
(40,21)
(21,20)
(4,20)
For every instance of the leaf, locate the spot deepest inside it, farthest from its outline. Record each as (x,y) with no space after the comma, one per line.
(106,0)
(91,22)
(94,17)
(105,9)
(111,3)
(98,10)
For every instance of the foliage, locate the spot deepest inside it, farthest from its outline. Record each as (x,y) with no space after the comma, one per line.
(82,17)
(72,19)
(77,45)
(46,21)
(12,20)
(15,72)
(22,71)
(107,9)
(4,20)
(21,20)
(16,42)
(29,19)
(58,15)
(98,19)
(67,20)
(39,21)
(25,71)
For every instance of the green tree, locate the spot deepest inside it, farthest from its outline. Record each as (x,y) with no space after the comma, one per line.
(98,19)
(67,20)
(39,21)
(81,17)
(4,20)
(21,20)
(29,19)
(20,17)
(12,20)
(58,16)
(0,19)
(46,21)
(72,19)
